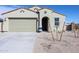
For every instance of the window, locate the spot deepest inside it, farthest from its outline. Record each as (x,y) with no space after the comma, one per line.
(56,21)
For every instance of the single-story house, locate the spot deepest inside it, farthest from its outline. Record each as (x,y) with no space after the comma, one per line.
(72,26)
(32,20)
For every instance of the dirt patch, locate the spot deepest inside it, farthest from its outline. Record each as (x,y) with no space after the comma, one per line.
(45,43)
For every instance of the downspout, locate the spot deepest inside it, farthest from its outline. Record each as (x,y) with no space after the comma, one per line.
(38,20)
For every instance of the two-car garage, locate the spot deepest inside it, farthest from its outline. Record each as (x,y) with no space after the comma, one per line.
(20,20)
(22,24)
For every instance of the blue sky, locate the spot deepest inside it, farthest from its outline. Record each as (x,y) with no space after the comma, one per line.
(71,11)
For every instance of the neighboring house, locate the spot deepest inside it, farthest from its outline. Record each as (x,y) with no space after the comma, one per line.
(72,26)
(68,27)
(33,20)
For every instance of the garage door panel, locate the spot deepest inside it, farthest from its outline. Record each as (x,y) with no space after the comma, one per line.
(22,25)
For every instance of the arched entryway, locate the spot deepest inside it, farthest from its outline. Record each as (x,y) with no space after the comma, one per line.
(45,23)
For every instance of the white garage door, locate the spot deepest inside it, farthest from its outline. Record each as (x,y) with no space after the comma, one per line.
(22,25)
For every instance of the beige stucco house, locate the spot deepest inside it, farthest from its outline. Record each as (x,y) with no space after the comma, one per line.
(32,20)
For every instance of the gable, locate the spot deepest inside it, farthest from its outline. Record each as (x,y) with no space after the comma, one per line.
(47,11)
(50,11)
(20,13)
(55,14)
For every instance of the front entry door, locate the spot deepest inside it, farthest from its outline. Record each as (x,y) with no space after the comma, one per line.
(45,24)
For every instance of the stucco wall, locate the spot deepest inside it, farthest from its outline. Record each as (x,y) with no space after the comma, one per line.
(45,13)
(5,24)
(18,14)
(61,21)
(52,15)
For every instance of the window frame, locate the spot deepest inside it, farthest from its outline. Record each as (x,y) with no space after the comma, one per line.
(57,21)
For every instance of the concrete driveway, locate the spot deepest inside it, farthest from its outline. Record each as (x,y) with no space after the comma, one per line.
(17,42)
